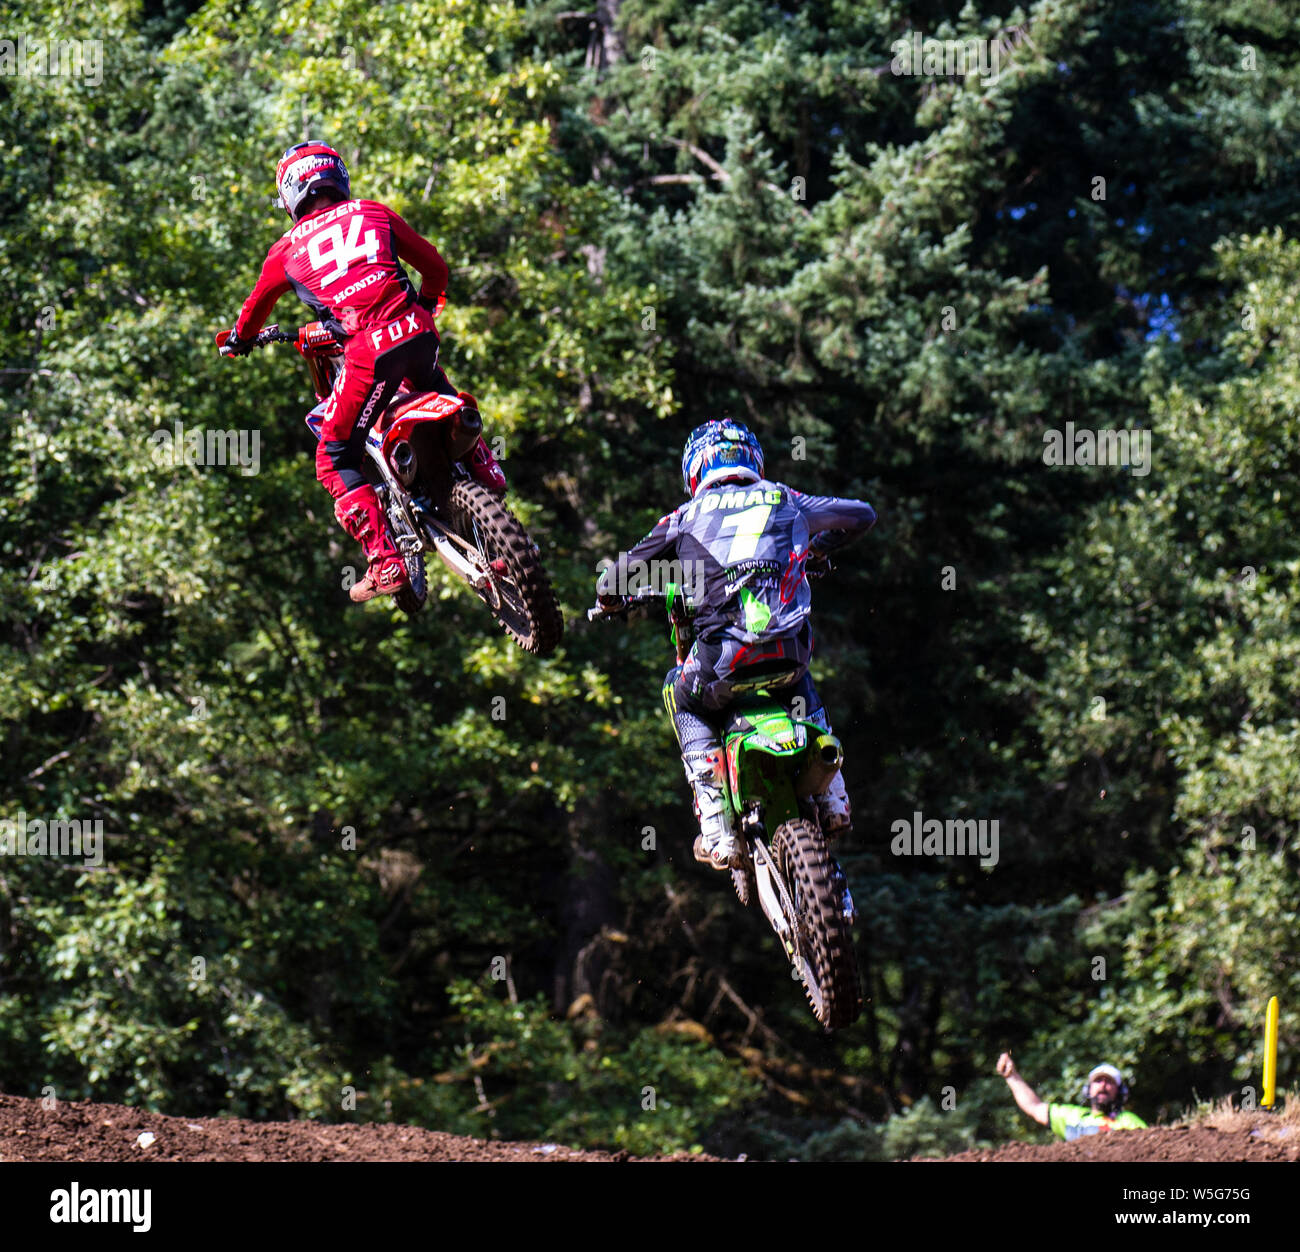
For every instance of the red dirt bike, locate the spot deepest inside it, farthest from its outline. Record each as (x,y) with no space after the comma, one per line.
(414,459)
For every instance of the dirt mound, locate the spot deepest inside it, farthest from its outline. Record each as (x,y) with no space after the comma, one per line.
(80,1131)
(1253,1140)
(77,1131)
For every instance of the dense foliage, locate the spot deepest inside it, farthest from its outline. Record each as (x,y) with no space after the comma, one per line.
(359,866)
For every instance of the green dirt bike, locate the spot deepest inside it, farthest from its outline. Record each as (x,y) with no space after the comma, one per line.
(775,763)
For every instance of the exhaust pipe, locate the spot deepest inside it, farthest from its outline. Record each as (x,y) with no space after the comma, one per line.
(466,427)
(404,465)
(827,756)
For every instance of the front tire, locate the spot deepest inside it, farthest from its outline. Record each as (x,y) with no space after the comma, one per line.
(826,960)
(411,598)
(520,597)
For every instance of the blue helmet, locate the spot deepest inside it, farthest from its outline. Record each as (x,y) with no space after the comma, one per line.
(718,451)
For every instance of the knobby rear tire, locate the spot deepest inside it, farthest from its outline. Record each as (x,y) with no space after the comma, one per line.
(802,858)
(483,520)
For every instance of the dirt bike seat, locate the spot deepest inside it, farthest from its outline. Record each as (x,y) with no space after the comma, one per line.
(736,715)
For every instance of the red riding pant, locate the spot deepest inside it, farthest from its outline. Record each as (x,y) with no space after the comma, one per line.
(375,362)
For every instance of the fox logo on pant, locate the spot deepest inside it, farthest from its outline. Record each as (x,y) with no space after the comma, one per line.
(395,330)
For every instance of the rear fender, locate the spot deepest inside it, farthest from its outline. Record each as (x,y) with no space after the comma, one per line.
(459,426)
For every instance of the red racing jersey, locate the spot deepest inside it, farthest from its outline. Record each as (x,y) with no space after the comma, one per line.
(344,262)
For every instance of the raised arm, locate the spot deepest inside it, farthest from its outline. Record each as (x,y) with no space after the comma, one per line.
(1025,1095)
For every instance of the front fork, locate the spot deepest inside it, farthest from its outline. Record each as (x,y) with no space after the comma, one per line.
(418,529)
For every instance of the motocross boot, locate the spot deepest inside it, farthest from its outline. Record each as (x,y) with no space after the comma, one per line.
(715,845)
(480,462)
(359,514)
(834,813)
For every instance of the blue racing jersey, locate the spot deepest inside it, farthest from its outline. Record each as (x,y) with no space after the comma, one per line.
(741,551)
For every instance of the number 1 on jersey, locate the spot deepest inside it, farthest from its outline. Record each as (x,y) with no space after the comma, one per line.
(748,525)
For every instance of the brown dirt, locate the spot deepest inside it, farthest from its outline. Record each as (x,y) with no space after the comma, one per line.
(1223,1136)
(80,1131)
(1161,1143)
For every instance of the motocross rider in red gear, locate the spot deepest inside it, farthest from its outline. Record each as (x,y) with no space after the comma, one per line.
(342,257)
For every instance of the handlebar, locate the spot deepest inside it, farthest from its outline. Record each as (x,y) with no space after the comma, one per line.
(624,605)
(679,612)
(272,334)
(314,339)
(314,336)
(818,566)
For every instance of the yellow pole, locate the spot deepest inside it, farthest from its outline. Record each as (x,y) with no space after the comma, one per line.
(1270,1052)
